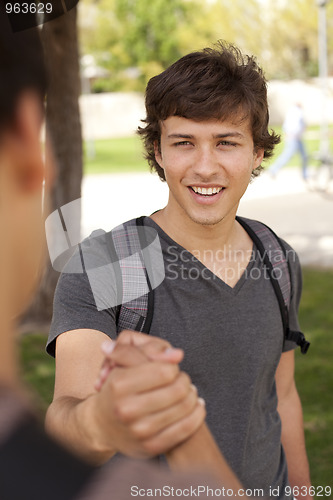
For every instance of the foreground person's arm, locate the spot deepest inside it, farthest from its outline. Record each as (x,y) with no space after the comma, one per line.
(197,452)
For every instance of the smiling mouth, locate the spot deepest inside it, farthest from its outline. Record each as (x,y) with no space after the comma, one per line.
(211,191)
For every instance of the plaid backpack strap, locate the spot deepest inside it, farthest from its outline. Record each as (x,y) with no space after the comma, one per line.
(274,257)
(135,296)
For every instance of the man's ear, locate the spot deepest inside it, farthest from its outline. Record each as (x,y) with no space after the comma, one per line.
(158,154)
(23,143)
(258,157)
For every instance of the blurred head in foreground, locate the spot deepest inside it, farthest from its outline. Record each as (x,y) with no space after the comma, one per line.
(22,91)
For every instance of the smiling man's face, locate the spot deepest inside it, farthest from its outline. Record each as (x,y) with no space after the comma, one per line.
(207,166)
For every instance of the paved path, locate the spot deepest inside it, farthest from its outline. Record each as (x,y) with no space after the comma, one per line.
(303,217)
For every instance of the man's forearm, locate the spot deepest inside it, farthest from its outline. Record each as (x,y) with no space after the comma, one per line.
(293,442)
(72,421)
(200,452)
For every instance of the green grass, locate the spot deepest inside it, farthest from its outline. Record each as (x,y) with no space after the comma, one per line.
(126,154)
(37,368)
(115,155)
(314,372)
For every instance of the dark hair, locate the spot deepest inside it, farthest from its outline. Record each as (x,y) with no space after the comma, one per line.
(21,67)
(219,83)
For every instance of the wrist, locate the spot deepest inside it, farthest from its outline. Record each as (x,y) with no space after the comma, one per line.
(88,419)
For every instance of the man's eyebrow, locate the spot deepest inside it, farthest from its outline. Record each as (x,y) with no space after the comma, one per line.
(180,136)
(216,136)
(229,134)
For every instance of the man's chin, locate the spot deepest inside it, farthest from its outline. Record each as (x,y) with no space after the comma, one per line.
(207,221)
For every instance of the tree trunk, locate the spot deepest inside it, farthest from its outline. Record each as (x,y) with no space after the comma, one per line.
(63,129)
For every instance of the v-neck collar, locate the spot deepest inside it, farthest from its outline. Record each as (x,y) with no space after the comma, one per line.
(233,290)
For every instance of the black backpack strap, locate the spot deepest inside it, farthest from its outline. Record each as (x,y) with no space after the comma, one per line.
(125,245)
(274,257)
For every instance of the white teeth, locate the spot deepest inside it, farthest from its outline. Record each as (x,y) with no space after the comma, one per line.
(206,191)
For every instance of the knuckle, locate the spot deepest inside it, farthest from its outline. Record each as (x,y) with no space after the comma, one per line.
(123,411)
(202,413)
(141,431)
(180,391)
(118,382)
(151,447)
(115,386)
(160,342)
(183,384)
(167,372)
(193,421)
(124,336)
(189,403)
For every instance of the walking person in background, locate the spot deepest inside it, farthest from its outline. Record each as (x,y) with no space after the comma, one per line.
(293,128)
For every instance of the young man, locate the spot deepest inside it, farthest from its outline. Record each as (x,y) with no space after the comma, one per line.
(206,134)
(32,466)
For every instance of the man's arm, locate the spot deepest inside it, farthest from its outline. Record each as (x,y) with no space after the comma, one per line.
(140,411)
(290,410)
(198,452)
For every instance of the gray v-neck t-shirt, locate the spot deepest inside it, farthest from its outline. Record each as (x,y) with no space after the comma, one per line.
(232,339)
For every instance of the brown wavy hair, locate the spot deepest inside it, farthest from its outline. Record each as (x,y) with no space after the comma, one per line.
(220,83)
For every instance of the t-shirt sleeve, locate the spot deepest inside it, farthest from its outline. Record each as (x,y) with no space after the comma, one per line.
(296,292)
(84,298)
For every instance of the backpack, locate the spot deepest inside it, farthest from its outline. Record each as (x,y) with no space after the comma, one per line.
(137,314)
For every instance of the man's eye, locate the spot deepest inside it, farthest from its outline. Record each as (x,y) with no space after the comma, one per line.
(183,143)
(227,143)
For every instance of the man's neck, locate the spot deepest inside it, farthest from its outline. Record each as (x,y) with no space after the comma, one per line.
(198,237)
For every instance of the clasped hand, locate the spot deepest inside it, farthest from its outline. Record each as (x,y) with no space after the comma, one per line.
(150,403)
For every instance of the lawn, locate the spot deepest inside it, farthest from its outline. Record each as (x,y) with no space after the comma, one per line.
(115,155)
(314,372)
(126,154)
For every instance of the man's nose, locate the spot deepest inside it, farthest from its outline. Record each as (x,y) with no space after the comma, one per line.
(206,164)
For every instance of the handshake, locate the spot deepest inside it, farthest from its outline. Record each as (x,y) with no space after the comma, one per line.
(141,405)
(152,404)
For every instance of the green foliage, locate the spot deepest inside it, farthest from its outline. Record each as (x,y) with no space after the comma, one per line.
(150,35)
(136,34)
(151,29)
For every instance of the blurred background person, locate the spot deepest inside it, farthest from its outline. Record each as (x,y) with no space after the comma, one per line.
(293,128)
